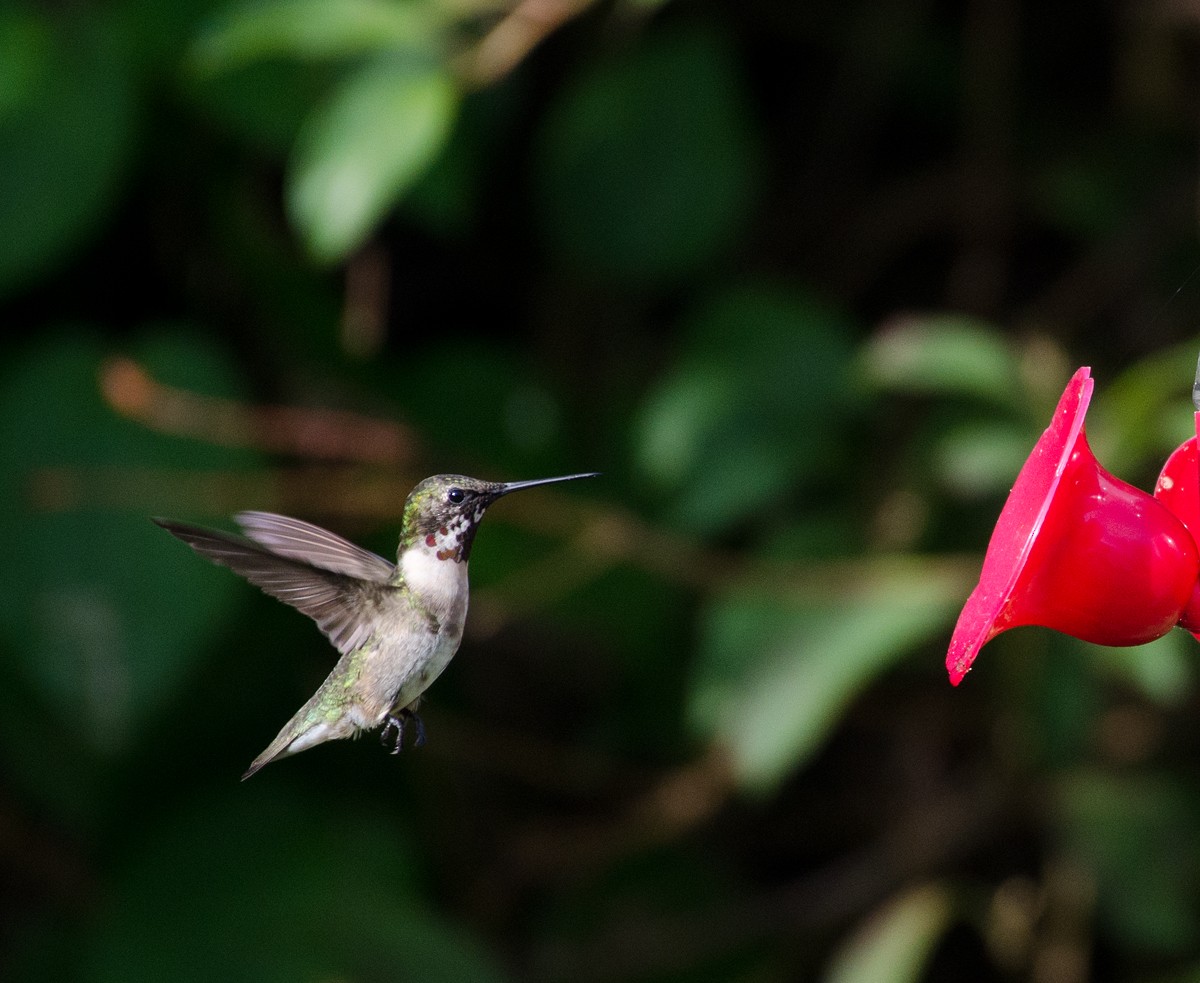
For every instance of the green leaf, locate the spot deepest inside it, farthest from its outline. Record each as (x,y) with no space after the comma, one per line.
(25,51)
(649,163)
(974,458)
(1139,417)
(257,887)
(452,194)
(1089,184)
(66,130)
(264,104)
(896,942)
(943,355)
(508,408)
(731,427)
(774,674)
(360,151)
(312,30)
(105,618)
(1161,670)
(1137,835)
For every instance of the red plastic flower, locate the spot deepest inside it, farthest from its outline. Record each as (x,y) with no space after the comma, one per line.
(1080,551)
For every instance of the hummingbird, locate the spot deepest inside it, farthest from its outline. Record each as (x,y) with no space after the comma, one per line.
(396,626)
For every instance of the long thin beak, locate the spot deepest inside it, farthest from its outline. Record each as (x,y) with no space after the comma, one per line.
(512,486)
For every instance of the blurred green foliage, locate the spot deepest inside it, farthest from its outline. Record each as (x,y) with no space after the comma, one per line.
(66,137)
(730,428)
(804,281)
(648,160)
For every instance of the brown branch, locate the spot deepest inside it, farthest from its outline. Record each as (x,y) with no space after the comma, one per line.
(316,434)
(365,309)
(597,537)
(520,31)
(360,495)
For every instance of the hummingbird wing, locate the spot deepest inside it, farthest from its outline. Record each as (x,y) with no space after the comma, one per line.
(343,606)
(303,541)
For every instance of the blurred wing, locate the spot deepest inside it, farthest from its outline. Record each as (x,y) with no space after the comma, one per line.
(343,606)
(303,541)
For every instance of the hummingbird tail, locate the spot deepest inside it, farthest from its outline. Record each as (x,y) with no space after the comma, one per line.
(278,748)
(300,734)
(256,764)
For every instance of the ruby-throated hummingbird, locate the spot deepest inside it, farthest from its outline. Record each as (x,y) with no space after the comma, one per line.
(396,626)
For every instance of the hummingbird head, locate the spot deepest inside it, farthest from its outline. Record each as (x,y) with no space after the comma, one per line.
(443,512)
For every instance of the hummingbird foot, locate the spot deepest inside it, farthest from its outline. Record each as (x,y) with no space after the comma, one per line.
(393,730)
(393,733)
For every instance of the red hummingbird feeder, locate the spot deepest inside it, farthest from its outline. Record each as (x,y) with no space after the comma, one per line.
(1080,551)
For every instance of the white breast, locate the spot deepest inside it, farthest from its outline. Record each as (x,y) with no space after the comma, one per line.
(440,584)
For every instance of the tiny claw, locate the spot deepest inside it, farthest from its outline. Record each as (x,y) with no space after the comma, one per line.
(394,723)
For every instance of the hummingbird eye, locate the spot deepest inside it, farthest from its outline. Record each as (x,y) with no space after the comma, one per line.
(456,496)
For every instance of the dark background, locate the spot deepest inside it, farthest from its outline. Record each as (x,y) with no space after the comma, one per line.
(803,280)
